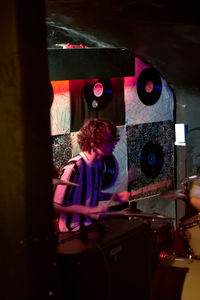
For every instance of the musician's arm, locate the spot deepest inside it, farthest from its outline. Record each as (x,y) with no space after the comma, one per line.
(118,197)
(77,209)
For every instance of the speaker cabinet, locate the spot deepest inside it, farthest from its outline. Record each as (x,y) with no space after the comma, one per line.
(109,261)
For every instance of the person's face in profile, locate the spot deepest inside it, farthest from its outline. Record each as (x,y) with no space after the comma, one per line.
(106,149)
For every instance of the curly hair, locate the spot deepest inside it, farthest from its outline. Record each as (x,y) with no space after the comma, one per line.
(94,131)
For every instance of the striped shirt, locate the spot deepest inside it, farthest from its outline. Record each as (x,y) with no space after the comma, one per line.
(89,176)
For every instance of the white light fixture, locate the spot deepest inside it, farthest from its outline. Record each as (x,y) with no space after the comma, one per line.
(180,134)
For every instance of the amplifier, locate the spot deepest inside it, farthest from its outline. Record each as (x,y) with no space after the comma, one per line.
(108,260)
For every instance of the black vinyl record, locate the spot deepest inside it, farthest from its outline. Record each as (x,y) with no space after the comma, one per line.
(149,86)
(151,159)
(98,93)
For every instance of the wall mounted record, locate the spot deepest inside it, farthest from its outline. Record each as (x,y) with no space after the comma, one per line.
(149,86)
(151,159)
(98,93)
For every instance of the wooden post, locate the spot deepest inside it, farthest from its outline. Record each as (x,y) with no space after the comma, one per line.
(26,221)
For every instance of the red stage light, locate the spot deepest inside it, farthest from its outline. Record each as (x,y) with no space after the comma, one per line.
(60,87)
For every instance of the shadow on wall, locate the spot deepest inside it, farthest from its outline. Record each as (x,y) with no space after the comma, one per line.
(193,151)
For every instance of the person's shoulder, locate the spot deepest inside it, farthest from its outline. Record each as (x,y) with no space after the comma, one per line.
(71,166)
(74,161)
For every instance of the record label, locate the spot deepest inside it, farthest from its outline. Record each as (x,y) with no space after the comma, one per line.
(149,86)
(151,159)
(98,93)
(98,89)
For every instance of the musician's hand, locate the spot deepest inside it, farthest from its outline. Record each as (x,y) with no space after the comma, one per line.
(122,197)
(93,211)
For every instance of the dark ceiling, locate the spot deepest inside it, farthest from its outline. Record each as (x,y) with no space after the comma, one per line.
(165,34)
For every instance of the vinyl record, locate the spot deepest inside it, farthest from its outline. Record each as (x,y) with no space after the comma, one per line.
(149,86)
(98,93)
(111,173)
(151,159)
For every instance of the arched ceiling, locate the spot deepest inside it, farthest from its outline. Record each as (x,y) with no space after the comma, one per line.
(165,34)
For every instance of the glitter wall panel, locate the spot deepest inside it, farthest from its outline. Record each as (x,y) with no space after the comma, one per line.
(145,84)
(62,150)
(151,151)
(60,109)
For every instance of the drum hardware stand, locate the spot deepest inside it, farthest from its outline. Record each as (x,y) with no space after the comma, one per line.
(191,254)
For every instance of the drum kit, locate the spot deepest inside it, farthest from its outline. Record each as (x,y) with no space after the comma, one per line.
(157,221)
(191,225)
(182,270)
(188,265)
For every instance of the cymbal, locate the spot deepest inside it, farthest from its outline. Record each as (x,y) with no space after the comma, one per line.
(174,195)
(142,215)
(57,181)
(189,179)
